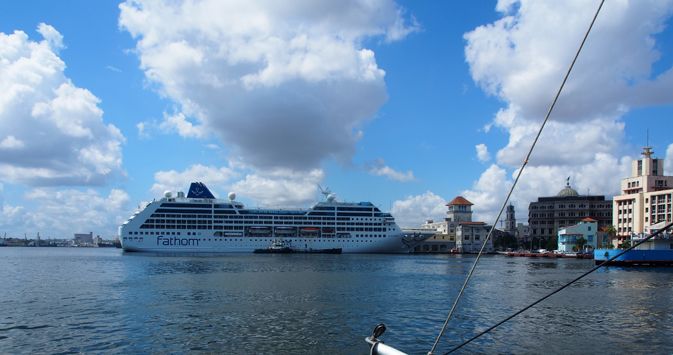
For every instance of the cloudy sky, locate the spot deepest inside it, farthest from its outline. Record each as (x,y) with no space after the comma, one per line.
(106,104)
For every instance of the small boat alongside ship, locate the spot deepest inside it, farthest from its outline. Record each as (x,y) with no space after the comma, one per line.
(280,247)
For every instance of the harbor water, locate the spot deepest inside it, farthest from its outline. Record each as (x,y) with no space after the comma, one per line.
(105,301)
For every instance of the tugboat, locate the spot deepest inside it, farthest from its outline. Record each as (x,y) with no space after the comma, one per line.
(280,247)
(277,247)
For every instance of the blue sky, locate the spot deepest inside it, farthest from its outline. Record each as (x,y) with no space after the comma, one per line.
(106,104)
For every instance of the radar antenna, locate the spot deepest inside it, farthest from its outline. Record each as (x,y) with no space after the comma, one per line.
(329,196)
(324,191)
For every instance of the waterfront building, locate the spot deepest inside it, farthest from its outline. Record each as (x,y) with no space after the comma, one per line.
(457,231)
(587,229)
(549,215)
(522,231)
(470,237)
(645,199)
(83,238)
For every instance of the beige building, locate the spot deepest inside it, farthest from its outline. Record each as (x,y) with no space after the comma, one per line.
(645,199)
(457,231)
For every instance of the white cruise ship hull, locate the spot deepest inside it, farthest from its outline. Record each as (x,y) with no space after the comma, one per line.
(203,224)
(389,244)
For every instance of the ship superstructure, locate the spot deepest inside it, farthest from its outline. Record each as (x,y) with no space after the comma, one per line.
(202,223)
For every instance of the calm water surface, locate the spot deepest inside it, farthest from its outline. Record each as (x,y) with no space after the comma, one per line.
(105,301)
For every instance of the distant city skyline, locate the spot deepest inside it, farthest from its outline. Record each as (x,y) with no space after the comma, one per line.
(104,105)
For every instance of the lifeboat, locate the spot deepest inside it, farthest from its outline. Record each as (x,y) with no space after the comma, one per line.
(285,230)
(259,230)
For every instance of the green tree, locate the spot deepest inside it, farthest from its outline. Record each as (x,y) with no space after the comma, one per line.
(626,244)
(611,233)
(506,241)
(581,241)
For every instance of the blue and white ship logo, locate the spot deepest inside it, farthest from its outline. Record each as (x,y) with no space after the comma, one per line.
(197,191)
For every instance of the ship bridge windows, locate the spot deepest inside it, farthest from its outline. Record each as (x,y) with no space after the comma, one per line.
(187,205)
(321,213)
(363,209)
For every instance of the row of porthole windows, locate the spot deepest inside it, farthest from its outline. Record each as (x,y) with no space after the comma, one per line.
(199,233)
(236,240)
(167,233)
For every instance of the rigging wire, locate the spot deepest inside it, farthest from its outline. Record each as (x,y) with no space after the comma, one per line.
(474,265)
(560,288)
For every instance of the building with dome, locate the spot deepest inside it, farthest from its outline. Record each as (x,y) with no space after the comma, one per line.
(550,214)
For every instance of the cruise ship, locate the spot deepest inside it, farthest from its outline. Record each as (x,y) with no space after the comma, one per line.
(202,223)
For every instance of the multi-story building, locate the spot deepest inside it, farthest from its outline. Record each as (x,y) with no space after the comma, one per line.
(645,200)
(522,231)
(83,239)
(470,237)
(456,231)
(550,214)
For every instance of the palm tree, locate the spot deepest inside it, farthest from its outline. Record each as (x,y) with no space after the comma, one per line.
(611,232)
(580,243)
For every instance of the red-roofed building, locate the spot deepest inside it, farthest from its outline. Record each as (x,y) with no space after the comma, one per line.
(460,200)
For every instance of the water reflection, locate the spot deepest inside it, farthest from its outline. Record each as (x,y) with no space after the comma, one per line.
(105,301)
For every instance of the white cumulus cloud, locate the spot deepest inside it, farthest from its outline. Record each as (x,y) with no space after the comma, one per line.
(379,168)
(59,211)
(668,163)
(180,181)
(271,187)
(280,187)
(482,153)
(51,132)
(522,58)
(415,210)
(285,84)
